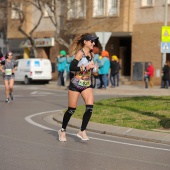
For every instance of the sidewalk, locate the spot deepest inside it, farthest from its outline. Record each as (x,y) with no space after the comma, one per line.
(123,90)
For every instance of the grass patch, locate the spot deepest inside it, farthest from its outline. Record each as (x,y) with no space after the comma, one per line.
(145,113)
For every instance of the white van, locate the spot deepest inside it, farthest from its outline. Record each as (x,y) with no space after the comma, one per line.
(34,69)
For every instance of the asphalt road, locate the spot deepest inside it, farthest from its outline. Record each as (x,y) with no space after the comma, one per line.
(29,141)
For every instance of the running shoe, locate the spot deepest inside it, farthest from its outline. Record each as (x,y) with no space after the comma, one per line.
(82,136)
(62,135)
(7,100)
(11,97)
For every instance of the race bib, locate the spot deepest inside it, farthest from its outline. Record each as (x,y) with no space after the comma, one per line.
(8,71)
(85,83)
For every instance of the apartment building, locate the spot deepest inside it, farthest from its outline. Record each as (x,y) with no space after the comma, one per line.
(149,16)
(135,27)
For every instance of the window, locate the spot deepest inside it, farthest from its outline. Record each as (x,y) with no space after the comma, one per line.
(112,7)
(168,1)
(105,8)
(80,9)
(76,9)
(98,8)
(16,10)
(147,2)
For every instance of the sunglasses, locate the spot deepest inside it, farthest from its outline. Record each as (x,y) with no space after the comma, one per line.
(92,41)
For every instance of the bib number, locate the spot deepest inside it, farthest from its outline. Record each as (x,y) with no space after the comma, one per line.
(85,83)
(8,72)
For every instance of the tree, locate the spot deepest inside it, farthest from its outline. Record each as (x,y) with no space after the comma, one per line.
(59,10)
(22,11)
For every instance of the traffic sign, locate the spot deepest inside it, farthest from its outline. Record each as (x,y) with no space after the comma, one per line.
(165,33)
(103,38)
(165,47)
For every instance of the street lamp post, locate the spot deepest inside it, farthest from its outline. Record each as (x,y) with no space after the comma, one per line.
(165,24)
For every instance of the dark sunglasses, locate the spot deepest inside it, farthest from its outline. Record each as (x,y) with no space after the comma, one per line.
(92,41)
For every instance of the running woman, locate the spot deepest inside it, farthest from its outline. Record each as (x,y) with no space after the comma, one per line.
(82,66)
(8,70)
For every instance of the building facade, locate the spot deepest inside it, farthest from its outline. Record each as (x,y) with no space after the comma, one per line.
(3,27)
(149,18)
(135,28)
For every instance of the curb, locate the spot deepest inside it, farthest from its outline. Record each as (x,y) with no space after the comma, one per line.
(151,136)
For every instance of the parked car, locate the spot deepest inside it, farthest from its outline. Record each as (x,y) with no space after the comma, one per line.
(33,69)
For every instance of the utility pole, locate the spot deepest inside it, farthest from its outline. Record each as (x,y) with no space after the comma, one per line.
(165,24)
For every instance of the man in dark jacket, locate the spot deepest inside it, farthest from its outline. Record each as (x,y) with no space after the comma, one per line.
(114,73)
(165,76)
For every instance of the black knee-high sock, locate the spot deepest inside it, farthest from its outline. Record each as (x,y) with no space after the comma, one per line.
(67,116)
(86,116)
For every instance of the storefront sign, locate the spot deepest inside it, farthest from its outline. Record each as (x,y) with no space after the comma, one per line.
(40,42)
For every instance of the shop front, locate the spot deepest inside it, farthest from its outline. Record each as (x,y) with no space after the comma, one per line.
(41,50)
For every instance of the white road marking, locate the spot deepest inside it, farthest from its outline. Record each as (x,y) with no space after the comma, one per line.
(37,95)
(34,92)
(29,120)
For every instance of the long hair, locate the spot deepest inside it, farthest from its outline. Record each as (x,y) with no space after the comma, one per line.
(77,44)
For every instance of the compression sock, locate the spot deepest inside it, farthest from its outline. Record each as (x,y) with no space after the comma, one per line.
(67,116)
(86,117)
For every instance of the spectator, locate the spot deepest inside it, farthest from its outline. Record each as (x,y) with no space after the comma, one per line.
(100,72)
(105,66)
(150,72)
(69,73)
(61,59)
(165,77)
(118,74)
(114,73)
(146,79)
(95,75)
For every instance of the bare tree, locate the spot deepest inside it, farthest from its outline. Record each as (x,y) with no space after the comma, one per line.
(52,7)
(23,15)
(57,12)
(58,8)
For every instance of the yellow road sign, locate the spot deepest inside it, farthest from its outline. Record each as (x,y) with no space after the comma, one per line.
(165,33)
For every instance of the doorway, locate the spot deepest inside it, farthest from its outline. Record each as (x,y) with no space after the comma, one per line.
(125,55)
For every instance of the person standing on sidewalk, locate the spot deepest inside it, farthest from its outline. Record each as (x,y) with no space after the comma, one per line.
(105,68)
(8,70)
(69,73)
(61,67)
(150,72)
(82,65)
(114,71)
(165,76)
(95,75)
